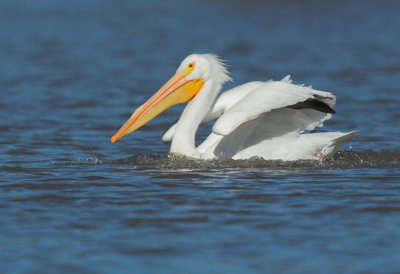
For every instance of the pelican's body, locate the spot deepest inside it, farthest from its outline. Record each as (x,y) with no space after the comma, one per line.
(262,119)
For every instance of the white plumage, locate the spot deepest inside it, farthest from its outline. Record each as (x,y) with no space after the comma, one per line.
(263,119)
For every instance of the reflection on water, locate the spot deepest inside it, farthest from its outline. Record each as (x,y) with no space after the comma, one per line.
(70,201)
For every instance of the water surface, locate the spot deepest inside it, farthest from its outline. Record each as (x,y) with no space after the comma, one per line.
(71,74)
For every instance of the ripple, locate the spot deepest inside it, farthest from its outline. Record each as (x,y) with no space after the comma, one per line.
(381,209)
(72,202)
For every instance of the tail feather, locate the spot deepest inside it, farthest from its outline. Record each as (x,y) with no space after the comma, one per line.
(346,137)
(333,146)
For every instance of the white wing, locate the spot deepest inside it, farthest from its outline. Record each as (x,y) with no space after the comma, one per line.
(271,110)
(277,95)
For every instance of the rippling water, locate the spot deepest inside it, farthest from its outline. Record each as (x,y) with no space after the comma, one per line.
(73,71)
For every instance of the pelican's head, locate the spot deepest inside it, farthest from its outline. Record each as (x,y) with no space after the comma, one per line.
(190,77)
(204,65)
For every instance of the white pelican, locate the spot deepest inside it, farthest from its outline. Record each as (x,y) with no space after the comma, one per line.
(263,119)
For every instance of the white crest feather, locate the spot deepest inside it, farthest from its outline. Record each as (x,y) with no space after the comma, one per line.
(219,67)
(287,79)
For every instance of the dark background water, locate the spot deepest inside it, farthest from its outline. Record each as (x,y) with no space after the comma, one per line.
(73,71)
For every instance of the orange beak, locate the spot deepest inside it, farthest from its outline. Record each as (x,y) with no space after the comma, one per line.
(177,90)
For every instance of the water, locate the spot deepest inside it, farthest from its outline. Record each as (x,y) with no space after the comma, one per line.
(73,71)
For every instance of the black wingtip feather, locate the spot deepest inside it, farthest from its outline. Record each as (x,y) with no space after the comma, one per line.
(313,104)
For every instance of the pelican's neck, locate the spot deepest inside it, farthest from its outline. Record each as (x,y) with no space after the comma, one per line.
(183,141)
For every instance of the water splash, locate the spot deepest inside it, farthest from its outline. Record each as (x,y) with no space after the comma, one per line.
(93,159)
(341,160)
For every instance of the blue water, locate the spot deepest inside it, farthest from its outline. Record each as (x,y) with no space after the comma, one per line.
(70,201)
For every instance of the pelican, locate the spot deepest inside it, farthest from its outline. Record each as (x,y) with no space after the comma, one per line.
(271,119)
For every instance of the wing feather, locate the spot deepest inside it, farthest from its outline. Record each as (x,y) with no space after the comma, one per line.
(267,97)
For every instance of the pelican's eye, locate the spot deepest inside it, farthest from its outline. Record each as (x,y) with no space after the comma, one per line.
(189,68)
